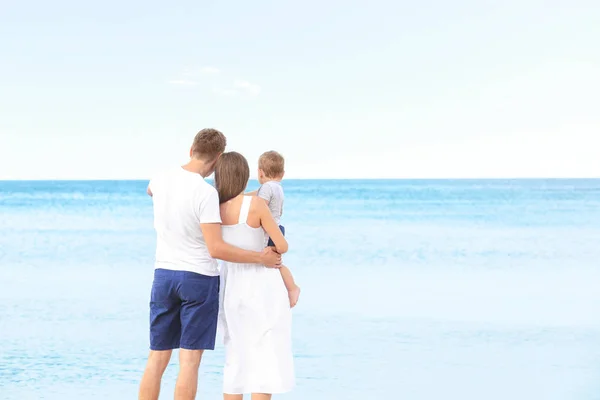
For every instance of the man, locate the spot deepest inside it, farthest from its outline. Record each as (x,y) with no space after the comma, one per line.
(185,293)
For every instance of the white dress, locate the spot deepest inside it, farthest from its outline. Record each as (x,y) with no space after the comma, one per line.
(255,319)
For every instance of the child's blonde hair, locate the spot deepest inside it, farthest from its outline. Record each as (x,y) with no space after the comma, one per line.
(272,164)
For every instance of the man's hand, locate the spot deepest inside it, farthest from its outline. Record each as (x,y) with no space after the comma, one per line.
(270,258)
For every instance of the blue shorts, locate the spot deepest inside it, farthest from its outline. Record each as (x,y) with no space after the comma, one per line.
(271,242)
(184,307)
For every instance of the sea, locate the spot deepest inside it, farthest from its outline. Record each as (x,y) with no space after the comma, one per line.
(411,289)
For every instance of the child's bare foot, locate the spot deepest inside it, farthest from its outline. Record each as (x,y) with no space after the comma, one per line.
(294,294)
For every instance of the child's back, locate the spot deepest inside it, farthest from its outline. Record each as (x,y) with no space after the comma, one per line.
(272,192)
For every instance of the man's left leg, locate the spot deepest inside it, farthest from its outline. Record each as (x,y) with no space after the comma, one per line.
(155,368)
(165,331)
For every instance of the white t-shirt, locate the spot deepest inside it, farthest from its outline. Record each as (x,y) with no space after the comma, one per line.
(182,201)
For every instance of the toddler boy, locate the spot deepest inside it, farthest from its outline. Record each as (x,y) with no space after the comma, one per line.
(270,173)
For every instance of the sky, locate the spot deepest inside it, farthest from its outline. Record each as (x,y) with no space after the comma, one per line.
(343,89)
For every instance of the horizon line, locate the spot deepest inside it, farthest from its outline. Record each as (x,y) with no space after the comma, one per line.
(319,179)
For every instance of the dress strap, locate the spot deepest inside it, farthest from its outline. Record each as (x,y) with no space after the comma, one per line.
(245,209)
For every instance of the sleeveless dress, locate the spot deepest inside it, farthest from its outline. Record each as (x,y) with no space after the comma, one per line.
(255,318)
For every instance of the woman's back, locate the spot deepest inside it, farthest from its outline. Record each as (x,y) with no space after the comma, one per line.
(254,312)
(236,227)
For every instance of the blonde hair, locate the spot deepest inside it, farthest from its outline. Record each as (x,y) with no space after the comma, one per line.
(272,163)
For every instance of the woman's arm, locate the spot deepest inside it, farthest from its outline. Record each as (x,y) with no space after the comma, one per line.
(271,227)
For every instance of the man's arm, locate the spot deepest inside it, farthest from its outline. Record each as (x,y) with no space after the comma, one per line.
(226,252)
(210,223)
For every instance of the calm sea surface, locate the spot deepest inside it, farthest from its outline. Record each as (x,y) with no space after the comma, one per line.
(413,290)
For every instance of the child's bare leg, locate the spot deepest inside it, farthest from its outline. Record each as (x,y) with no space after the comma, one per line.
(290,285)
(288,278)
(233,396)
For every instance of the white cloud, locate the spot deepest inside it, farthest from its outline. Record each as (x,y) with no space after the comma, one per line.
(238,88)
(251,89)
(195,72)
(183,82)
(226,92)
(209,70)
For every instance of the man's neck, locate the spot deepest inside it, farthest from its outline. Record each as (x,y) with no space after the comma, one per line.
(198,167)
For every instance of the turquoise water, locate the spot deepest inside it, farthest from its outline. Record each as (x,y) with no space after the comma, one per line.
(411,290)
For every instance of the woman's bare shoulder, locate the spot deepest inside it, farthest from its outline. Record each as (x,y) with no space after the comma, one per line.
(229,214)
(257,204)
(255,212)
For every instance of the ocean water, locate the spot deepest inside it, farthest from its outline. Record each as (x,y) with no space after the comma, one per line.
(416,290)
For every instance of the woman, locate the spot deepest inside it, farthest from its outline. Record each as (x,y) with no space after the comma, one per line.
(255,312)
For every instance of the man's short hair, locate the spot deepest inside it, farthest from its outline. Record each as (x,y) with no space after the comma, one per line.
(208,144)
(272,164)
